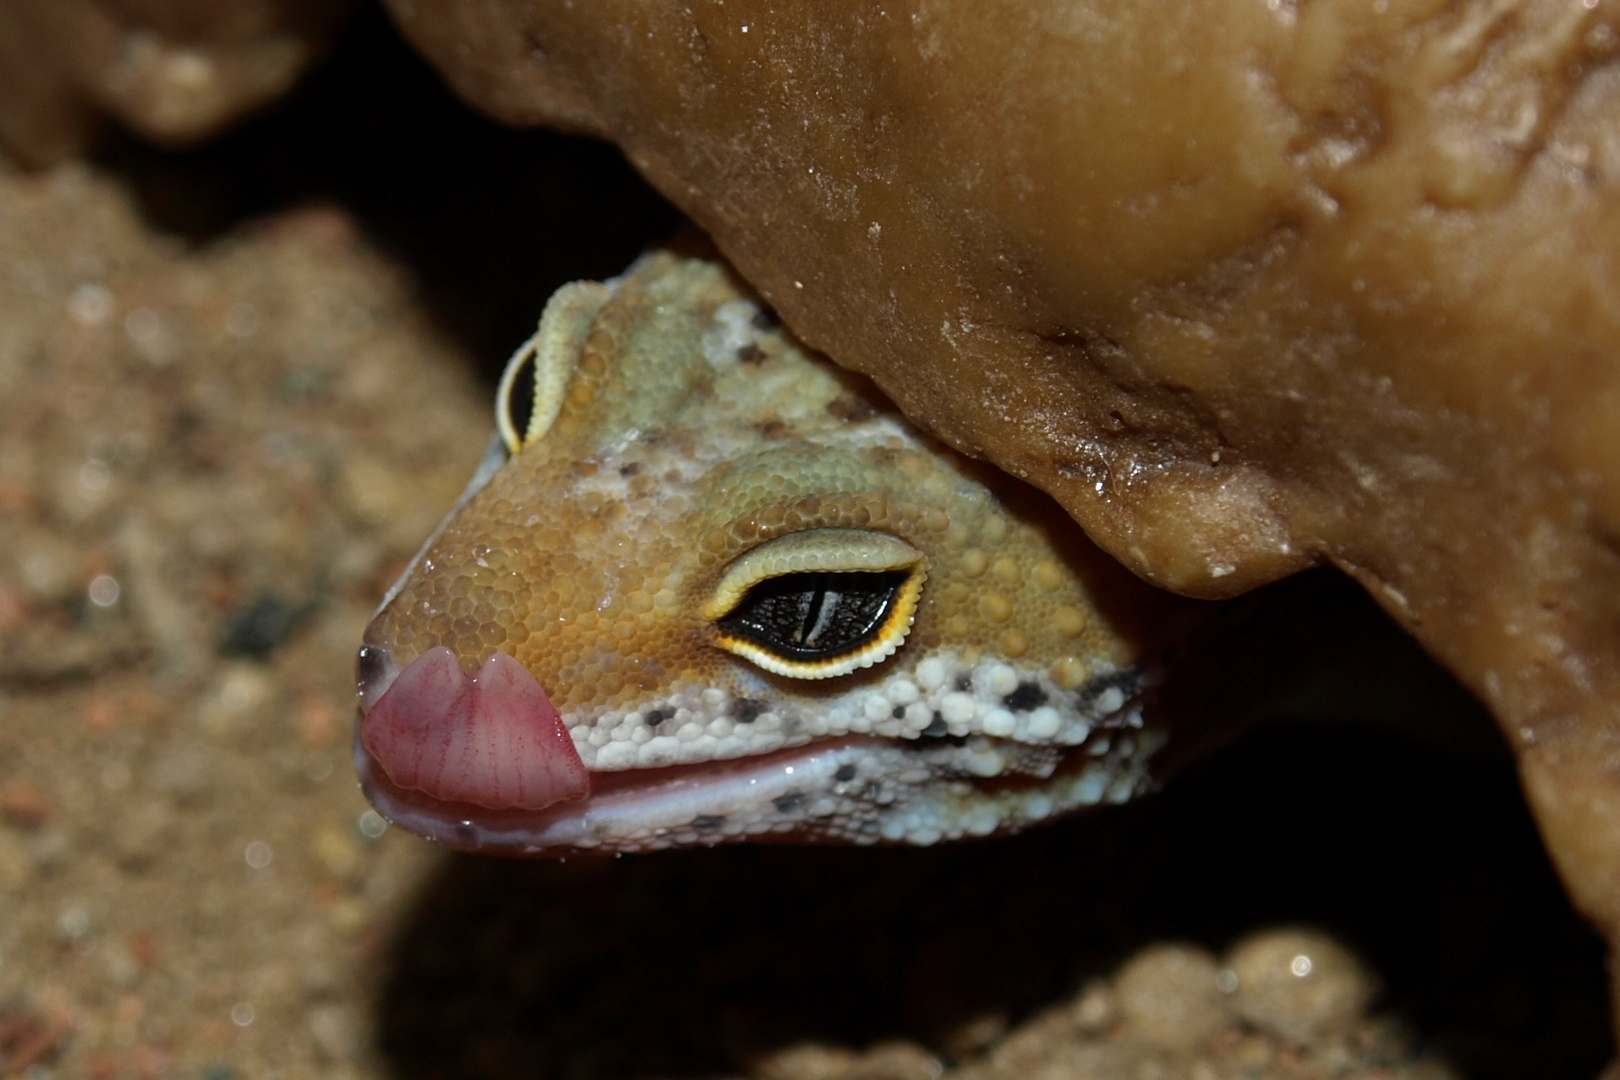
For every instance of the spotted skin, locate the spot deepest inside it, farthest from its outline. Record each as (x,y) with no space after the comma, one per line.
(691,431)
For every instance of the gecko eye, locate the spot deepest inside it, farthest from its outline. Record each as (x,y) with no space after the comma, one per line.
(526,405)
(818,603)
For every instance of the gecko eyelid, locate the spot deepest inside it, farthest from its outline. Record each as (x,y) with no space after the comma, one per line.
(818,603)
(523,414)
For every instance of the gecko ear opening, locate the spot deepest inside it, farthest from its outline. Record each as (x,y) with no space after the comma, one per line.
(818,603)
(526,407)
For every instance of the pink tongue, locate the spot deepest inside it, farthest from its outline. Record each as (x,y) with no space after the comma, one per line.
(493,740)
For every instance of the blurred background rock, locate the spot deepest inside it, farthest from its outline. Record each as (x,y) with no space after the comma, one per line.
(175,71)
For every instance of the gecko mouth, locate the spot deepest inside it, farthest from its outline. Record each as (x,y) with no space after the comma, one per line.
(483,762)
(857,789)
(636,809)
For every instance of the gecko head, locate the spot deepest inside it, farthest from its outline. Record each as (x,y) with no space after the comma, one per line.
(707,587)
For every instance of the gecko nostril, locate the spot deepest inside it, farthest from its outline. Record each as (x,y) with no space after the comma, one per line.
(374,671)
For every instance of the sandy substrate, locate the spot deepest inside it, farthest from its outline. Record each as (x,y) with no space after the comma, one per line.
(217,451)
(203,494)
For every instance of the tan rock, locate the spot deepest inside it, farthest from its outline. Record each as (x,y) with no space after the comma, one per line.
(1299,985)
(1170,997)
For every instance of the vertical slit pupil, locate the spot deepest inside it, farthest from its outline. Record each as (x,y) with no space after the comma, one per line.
(813,618)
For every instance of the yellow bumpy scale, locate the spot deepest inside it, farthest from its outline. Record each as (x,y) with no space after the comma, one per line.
(761,602)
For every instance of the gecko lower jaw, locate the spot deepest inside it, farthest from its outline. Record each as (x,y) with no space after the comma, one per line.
(484,763)
(852,789)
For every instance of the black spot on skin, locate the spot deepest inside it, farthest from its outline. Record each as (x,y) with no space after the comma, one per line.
(787,804)
(1128,681)
(632,469)
(708,822)
(964,681)
(845,774)
(899,712)
(936,728)
(752,355)
(1029,695)
(746,710)
(654,717)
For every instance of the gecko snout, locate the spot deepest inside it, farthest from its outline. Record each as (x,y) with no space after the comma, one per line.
(492,739)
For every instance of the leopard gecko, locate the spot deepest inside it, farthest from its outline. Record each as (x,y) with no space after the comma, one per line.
(708,587)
